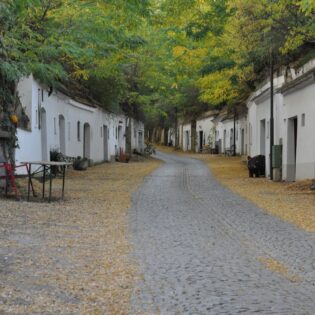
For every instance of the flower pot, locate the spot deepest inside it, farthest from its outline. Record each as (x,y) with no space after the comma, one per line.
(80,164)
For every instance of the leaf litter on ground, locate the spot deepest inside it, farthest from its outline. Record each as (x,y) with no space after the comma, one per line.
(71,257)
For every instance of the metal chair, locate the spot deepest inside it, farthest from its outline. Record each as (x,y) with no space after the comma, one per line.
(9,178)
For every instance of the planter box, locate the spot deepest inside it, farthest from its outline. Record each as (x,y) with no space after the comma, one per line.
(81,164)
(4,134)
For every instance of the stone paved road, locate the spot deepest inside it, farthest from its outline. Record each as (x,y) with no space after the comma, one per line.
(201,249)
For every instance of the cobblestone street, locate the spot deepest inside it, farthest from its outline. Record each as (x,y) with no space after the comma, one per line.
(204,250)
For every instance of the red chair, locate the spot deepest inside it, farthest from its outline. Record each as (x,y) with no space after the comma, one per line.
(9,177)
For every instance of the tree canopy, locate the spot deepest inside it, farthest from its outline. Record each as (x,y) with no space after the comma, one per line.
(150,58)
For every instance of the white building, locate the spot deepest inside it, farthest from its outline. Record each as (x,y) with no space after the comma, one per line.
(206,130)
(136,135)
(224,137)
(259,121)
(298,125)
(241,133)
(186,136)
(58,122)
(171,137)
(294,117)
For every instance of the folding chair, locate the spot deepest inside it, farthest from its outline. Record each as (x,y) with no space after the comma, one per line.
(9,178)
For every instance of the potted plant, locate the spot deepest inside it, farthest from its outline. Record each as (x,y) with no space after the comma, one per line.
(80,164)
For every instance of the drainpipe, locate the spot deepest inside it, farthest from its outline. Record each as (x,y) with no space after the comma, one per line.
(234,136)
(176,131)
(271,113)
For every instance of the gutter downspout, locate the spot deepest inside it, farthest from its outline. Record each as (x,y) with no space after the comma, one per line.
(271,114)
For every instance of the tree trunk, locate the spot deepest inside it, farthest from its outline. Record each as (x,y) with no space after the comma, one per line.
(165,142)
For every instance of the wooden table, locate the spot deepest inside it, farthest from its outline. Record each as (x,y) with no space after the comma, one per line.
(45,166)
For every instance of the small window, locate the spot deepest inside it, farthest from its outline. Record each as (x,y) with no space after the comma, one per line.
(303,120)
(78,131)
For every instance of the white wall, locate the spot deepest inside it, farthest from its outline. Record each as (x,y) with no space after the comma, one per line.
(137,135)
(241,144)
(295,104)
(262,138)
(259,121)
(186,137)
(29,141)
(206,125)
(224,134)
(171,136)
(57,104)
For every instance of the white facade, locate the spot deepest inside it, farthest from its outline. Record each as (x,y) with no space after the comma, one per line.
(259,121)
(294,124)
(137,135)
(60,123)
(294,117)
(186,137)
(241,130)
(205,132)
(224,133)
(298,124)
(171,137)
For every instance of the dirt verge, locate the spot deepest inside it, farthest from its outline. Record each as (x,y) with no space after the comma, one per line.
(71,257)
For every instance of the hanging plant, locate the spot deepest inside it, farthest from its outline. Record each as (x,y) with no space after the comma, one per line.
(14,119)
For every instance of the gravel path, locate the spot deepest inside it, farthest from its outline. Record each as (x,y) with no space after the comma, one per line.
(204,250)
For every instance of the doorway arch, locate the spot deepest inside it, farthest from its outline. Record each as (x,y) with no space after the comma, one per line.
(105,142)
(86,141)
(62,134)
(43,134)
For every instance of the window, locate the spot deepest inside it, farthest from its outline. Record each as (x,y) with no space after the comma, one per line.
(78,131)
(303,120)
